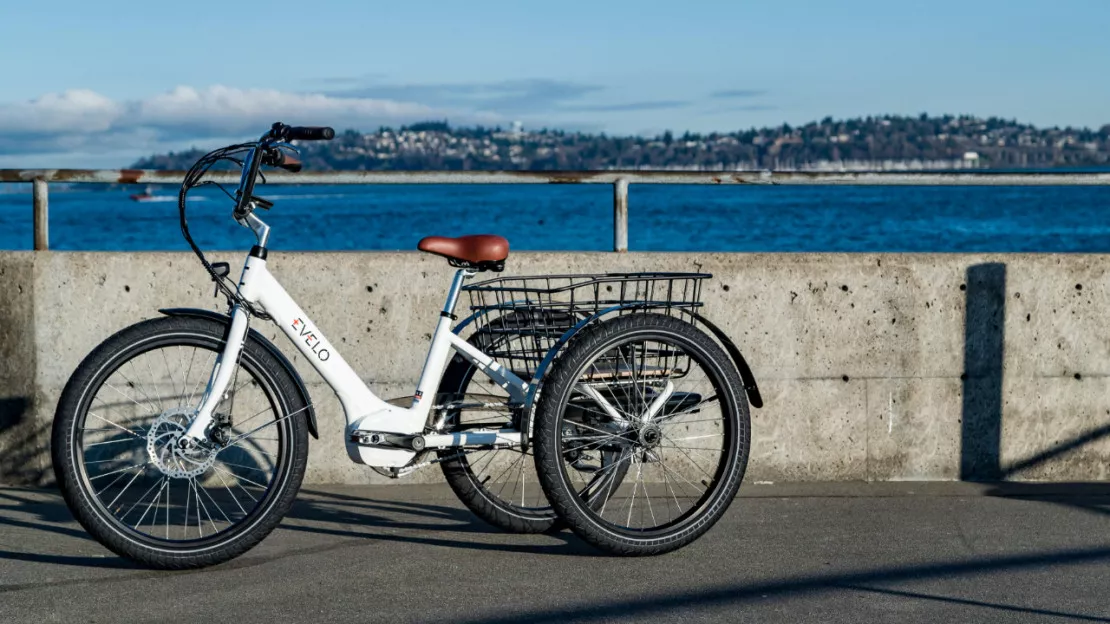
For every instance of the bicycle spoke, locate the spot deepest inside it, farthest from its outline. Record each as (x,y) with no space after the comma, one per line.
(623,437)
(232,494)
(239,445)
(632,503)
(691,422)
(254,483)
(690,448)
(696,465)
(136,386)
(710,435)
(185,379)
(106,474)
(667,483)
(157,496)
(136,476)
(109,409)
(114,481)
(522,464)
(129,398)
(117,426)
(185,528)
(647,497)
(699,488)
(612,478)
(153,379)
(694,409)
(250,418)
(488,457)
(169,373)
(260,427)
(200,502)
(607,472)
(502,473)
(169,484)
(202,380)
(137,501)
(227,463)
(101,461)
(217,506)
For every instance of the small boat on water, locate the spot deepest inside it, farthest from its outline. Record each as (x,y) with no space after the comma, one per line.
(146,195)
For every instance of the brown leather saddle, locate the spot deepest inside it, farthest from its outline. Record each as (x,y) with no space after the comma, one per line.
(484,252)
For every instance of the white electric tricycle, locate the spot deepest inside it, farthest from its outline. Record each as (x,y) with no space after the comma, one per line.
(610,405)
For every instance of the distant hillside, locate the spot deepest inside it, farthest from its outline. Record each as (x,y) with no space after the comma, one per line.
(867,143)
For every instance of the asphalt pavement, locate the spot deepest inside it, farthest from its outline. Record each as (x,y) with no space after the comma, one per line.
(903,552)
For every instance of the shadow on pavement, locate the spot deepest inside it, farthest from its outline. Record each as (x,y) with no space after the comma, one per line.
(452,527)
(317,512)
(433,520)
(739,594)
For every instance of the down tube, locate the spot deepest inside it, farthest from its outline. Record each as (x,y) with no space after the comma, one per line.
(356,398)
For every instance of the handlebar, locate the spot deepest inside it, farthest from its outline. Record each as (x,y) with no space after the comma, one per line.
(271,150)
(268,152)
(282,132)
(309,133)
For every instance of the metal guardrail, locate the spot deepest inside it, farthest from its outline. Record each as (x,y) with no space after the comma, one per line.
(620,180)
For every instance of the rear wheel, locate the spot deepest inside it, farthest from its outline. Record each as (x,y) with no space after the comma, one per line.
(130,484)
(499,485)
(667,400)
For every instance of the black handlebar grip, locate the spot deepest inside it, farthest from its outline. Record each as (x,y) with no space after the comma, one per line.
(310,133)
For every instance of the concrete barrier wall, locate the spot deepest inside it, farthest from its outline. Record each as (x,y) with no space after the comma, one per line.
(872,366)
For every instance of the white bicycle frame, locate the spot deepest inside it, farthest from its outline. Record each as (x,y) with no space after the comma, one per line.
(367,415)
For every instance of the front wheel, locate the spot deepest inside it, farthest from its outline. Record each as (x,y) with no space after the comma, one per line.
(130,484)
(663,397)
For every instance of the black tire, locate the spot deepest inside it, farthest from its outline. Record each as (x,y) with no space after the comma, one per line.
(266,384)
(489,505)
(646,441)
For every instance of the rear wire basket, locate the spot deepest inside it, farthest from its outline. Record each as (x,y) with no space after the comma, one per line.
(520,319)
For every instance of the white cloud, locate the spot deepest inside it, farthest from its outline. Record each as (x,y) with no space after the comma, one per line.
(78,110)
(228,110)
(81,120)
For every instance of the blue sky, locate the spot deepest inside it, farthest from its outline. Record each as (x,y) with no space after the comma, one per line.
(99,83)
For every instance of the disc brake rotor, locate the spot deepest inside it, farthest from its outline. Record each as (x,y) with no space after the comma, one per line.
(164,451)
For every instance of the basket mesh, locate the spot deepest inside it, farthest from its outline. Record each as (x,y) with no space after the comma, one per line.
(520,319)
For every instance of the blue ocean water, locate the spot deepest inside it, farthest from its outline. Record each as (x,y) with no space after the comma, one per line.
(579,217)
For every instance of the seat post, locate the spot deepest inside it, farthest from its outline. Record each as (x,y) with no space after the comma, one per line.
(453,293)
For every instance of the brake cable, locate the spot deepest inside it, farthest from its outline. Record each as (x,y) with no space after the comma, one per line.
(193,179)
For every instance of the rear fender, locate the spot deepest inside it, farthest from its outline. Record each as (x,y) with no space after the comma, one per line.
(746,375)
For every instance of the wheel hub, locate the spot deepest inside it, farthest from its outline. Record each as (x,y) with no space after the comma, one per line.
(650,436)
(165,452)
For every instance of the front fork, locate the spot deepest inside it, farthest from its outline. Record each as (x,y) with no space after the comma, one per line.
(221,377)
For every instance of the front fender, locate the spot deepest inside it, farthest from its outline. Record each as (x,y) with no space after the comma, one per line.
(266,344)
